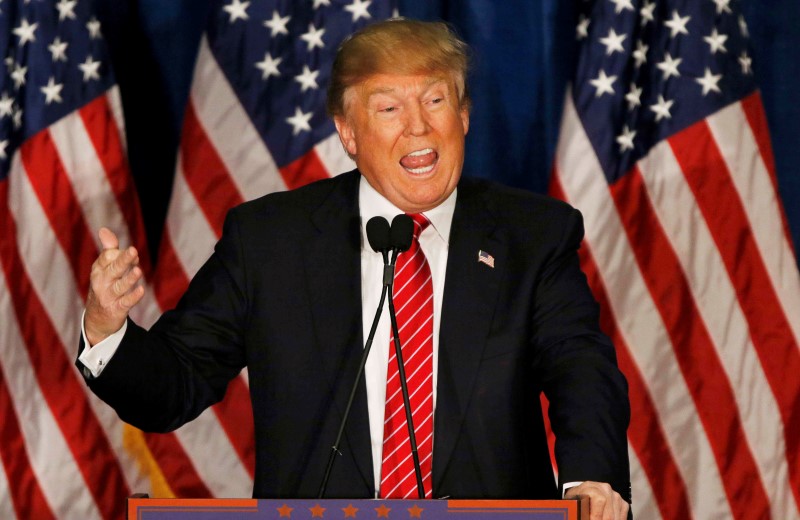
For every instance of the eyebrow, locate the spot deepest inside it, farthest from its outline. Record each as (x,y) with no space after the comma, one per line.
(389,90)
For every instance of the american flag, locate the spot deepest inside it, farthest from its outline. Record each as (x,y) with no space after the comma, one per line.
(664,148)
(62,174)
(254,124)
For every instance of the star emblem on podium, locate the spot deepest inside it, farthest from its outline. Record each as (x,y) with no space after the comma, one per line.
(350,511)
(285,511)
(383,511)
(415,512)
(317,511)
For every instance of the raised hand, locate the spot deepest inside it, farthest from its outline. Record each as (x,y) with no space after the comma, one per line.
(113,288)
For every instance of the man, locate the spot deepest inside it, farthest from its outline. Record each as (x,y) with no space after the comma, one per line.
(292,286)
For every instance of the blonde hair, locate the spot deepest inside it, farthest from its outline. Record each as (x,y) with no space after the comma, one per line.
(398,46)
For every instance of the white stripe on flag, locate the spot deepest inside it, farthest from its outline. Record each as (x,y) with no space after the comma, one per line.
(115,102)
(6,508)
(192,237)
(638,319)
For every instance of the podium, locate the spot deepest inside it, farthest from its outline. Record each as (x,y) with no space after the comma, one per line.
(359,509)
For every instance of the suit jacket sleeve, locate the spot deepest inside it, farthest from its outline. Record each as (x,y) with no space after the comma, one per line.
(160,379)
(576,363)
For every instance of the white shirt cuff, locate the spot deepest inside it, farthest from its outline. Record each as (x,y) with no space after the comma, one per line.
(569,485)
(94,359)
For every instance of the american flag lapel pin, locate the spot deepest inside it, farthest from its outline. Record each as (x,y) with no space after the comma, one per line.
(485,258)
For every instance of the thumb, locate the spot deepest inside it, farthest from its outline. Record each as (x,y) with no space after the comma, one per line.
(108,239)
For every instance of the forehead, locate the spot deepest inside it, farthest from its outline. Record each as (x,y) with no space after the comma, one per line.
(397,84)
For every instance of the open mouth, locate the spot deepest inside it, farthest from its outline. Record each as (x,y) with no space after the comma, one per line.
(420,161)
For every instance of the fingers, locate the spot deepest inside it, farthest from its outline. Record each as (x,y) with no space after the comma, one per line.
(114,287)
(604,502)
(107,238)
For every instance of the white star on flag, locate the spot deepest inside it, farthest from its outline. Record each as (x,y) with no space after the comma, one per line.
(93,26)
(300,121)
(646,12)
(745,61)
(58,50)
(307,79)
(66,9)
(723,6)
(619,5)
(613,42)
(3,145)
(582,29)
(18,75)
(625,139)
(678,24)
(319,3)
(716,41)
(90,69)
(603,84)
(661,108)
(25,32)
(709,81)
(743,27)
(358,9)
(633,97)
(6,105)
(670,66)
(269,66)
(313,37)
(237,10)
(277,25)
(52,91)
(640,54)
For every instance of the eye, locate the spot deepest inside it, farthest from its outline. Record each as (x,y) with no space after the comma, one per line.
(388,109)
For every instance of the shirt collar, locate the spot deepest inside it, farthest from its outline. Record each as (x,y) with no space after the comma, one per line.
(373,204)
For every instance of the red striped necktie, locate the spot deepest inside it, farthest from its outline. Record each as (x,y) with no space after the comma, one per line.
(413,301)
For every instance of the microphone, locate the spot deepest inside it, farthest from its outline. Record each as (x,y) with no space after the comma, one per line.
(378,235)
(402,234)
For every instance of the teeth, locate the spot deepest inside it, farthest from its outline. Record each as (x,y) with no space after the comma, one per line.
(424,169)
(420,152)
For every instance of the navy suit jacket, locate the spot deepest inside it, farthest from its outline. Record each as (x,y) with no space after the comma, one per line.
(281,295)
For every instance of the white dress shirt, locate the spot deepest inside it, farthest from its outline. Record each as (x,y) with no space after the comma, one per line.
(434,241)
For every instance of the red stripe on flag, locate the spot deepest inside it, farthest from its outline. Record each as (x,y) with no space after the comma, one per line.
(176,466)
(754,112)
(169,280)
(101,127)
(709,179)
(304,170)
(58,379)
(205,173)
(57,197)
(694,349)
(235,415)
(645,434)
(24,492)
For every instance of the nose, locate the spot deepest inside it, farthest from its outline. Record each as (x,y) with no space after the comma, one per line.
(416,121)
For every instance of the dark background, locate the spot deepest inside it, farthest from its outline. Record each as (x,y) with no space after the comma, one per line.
(523,56)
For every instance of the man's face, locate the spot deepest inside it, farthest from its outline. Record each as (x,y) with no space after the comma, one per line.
(406,134)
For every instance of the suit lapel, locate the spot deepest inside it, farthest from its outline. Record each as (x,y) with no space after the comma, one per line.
(470,295)
(333,269)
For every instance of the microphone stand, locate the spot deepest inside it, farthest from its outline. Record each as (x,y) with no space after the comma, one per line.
(388,279)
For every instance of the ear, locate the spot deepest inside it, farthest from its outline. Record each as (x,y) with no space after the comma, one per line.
(346,135)
(465,118)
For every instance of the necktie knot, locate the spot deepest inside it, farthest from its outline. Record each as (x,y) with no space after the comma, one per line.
(420,223)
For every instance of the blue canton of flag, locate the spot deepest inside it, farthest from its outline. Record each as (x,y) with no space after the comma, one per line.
(278,55)
(54,61)
(653,69)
